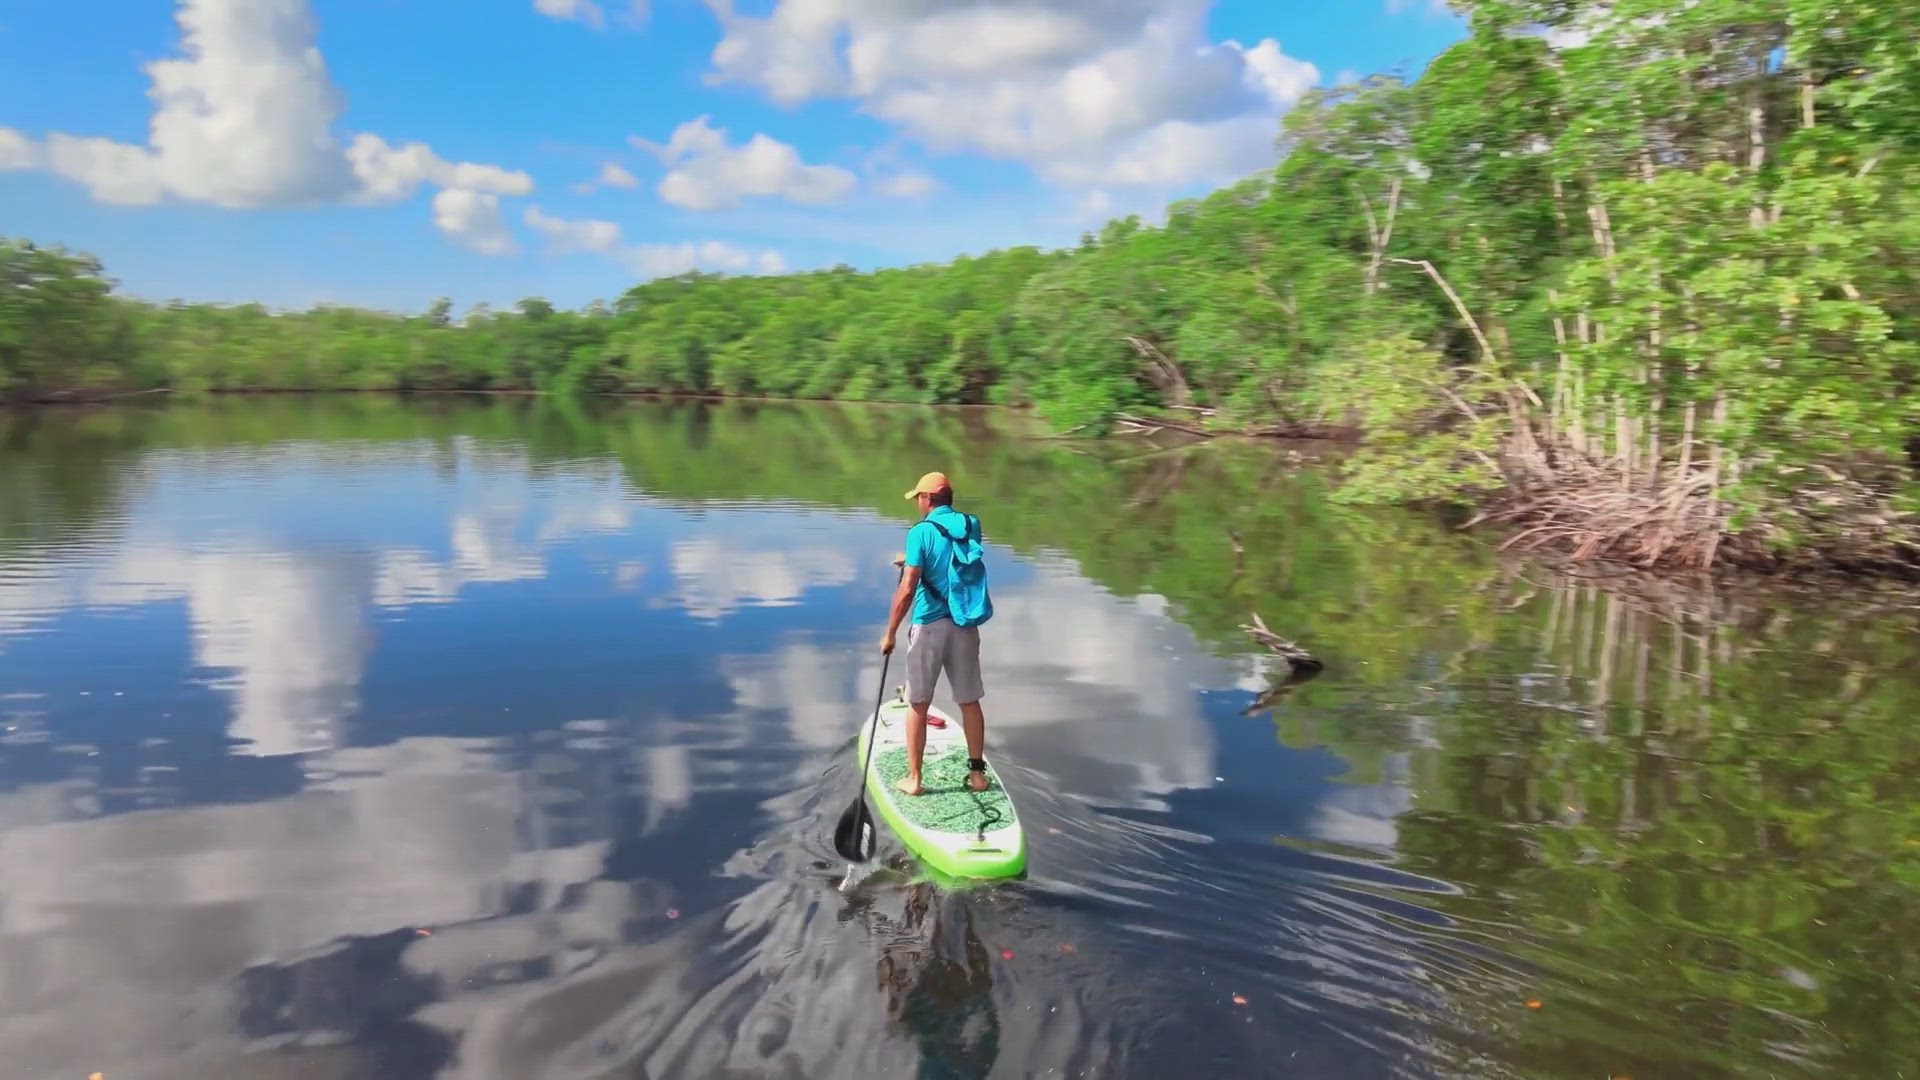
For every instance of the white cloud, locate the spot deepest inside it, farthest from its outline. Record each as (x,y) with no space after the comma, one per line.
(283,638)
(906,185)
(285,633)
(573,236)
(668,260)
(1362,816)
(17,151)
(113,173)
(1082,92)
(588,12)
(484,552)
(1281,78)
(613,175)
(585,11)
(423,831)
(473,220)
(705,173)
(714,576)
(391,173)
(1173,153)
(243,117)
(812,685)
(566,237)
(1094,204)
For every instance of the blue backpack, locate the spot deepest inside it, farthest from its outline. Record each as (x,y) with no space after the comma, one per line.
(966,597)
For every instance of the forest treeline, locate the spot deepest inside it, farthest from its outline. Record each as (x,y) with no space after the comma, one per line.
(1641,277)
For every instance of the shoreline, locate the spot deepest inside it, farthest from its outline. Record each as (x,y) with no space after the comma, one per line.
(1745,560)
(27,404)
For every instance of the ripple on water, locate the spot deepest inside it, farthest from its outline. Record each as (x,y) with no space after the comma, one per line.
(445,755)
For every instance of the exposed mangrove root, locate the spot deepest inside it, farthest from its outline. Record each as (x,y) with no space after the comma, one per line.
(1585,513)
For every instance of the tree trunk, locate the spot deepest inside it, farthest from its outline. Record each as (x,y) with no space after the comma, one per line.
(1164,373)
(1378,235)
(1473,324)
(1757,137)
(1555,418)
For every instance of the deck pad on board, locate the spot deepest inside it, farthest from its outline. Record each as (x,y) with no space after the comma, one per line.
(958,831)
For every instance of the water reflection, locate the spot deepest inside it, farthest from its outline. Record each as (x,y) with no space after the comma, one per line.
(432,743)
(715,575)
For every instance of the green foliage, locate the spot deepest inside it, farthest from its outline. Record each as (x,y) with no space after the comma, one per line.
(1682,821)
(1680,249)
(58,323)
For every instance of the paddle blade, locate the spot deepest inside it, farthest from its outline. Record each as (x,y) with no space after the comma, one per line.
(853,837)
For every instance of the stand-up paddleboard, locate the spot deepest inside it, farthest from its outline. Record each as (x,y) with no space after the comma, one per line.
(958,831)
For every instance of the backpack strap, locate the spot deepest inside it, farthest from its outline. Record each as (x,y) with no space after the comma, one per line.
(943,531)
(972,528)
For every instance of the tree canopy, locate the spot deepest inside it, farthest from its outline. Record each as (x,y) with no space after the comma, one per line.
(1640,272)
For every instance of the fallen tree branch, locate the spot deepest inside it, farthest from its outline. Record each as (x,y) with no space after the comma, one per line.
(1295,656)
(1302,666)
(1067,434)
(1156,425)
(1272,695)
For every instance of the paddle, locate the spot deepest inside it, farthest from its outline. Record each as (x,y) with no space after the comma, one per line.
(853,837)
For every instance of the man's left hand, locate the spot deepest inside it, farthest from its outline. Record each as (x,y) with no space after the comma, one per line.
(886,645)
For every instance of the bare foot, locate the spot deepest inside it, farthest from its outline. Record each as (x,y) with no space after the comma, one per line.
(981,786)
(907,785)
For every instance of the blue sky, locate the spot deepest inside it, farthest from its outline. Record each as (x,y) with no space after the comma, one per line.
(387,152)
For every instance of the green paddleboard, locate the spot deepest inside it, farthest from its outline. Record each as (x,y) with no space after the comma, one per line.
(957,831)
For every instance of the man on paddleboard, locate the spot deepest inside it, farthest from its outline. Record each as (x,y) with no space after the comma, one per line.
(934,643)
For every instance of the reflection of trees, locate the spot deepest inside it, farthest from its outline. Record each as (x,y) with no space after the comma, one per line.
(1694,814)
(62,474)
(1693,811)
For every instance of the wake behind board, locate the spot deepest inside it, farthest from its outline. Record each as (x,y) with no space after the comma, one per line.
(959,832)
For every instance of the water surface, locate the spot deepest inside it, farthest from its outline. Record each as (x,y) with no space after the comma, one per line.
(350,737)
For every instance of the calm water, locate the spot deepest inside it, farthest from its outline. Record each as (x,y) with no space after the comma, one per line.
(352,738)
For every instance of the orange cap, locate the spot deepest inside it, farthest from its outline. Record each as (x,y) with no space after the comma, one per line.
(930,483)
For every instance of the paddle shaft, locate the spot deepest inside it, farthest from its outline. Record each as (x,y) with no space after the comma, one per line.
(873,732)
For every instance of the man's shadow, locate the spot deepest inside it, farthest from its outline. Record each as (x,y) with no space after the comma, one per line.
(937,978)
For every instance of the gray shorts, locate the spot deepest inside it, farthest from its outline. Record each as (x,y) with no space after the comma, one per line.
(941,646)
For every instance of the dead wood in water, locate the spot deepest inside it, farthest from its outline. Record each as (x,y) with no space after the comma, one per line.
(1164,477)
(1138,425)
(1296,657)
(1302,666)
(1274,694)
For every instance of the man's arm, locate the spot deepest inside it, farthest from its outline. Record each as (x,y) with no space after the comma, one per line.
(902,601)
(909,562)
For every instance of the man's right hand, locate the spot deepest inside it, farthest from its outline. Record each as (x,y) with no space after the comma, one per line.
(900,560)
